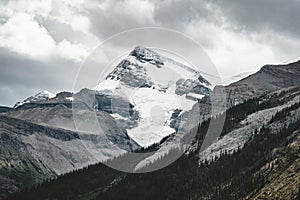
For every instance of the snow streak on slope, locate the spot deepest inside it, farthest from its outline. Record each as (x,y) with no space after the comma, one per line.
(156,109)
(157,87)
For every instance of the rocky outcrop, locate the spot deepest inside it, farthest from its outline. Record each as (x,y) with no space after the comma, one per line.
(269,78)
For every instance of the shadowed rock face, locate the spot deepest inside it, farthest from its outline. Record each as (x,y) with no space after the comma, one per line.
(60,116)
(132,71)
(4,109)
(42,141)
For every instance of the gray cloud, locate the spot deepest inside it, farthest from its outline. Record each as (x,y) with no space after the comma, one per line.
(262,15)
(176,13)
(58,30)
(21,77)
(255,15)
(240,35)
(117,16)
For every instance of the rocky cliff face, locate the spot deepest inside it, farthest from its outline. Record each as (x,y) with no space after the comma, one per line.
(42,141)
(269,78)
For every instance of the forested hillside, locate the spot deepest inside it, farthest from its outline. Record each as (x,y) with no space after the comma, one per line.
(267,165)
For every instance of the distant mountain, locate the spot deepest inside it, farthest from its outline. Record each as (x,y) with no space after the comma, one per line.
(147,93)
(4,109)
(41,96)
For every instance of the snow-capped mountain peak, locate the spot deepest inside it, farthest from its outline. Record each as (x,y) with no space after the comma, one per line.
(144,67)
(147,54)
(41,96)
(155,86)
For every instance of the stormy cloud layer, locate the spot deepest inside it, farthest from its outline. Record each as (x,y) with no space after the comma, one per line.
(44,42)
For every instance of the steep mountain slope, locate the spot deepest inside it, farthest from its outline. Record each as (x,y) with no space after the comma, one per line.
(268,78)
(260,115)
(282,173)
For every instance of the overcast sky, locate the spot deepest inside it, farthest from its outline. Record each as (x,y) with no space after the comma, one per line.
(44,42)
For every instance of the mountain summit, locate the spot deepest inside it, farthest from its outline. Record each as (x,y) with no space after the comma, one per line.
(41,96)
(158,90)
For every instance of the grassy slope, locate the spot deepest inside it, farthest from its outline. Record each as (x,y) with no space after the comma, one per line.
(284,177)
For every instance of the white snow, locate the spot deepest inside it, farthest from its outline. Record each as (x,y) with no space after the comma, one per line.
(194,95)
(46,93)
(107,85)
(155,109)
(70,98)
(117,116)
(168,74)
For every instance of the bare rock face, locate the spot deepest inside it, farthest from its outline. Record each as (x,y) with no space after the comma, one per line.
(130,73)
(60,116)
(267,79)
(42,140)
(145,54)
